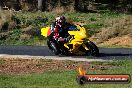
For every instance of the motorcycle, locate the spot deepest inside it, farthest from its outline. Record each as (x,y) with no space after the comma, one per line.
(78,44)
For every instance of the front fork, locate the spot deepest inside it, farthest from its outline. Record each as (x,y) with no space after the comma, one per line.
(84,44)
(85,47)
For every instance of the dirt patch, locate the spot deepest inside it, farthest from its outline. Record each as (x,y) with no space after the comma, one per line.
(118,41)
(27,66)
(118,32)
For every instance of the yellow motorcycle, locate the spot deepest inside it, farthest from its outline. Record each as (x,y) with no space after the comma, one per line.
(78,44)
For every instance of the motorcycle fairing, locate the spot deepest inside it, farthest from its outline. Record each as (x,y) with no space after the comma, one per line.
(79,37)
(45,31)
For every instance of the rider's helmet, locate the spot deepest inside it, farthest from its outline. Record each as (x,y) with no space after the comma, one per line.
(61,20)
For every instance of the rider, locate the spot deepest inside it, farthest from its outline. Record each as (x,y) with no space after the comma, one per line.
(60,29)
(60,32)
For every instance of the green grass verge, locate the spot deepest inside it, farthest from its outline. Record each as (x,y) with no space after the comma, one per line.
(65,79)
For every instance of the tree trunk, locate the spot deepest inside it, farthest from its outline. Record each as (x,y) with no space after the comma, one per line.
(40,5)
(76,4)
(1,4)
(0,8)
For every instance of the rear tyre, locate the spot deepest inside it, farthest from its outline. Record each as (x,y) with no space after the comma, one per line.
(64,51)
(93,49)
(53,47)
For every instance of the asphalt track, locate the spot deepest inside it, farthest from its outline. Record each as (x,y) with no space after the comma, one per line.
(44,52)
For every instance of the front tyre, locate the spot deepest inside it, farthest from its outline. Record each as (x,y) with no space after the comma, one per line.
(53,47)
(93,49)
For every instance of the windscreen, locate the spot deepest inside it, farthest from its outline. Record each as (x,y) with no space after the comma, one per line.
(73,28)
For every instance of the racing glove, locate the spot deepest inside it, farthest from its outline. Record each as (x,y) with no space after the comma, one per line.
(61,39)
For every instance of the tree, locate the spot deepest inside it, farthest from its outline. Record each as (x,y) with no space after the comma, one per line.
(40,5)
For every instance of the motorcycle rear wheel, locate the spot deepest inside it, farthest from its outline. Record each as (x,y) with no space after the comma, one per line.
(53,47)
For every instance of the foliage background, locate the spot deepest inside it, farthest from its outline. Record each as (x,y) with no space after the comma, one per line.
(69,5)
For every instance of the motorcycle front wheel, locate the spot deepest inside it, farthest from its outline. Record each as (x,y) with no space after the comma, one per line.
(93,49)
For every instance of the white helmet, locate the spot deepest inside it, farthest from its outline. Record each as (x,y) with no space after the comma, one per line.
(61,19)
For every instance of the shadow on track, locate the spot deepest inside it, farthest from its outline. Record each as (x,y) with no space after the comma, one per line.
(116,54)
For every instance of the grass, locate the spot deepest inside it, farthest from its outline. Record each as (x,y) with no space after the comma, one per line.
(1,62)
(65,79)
